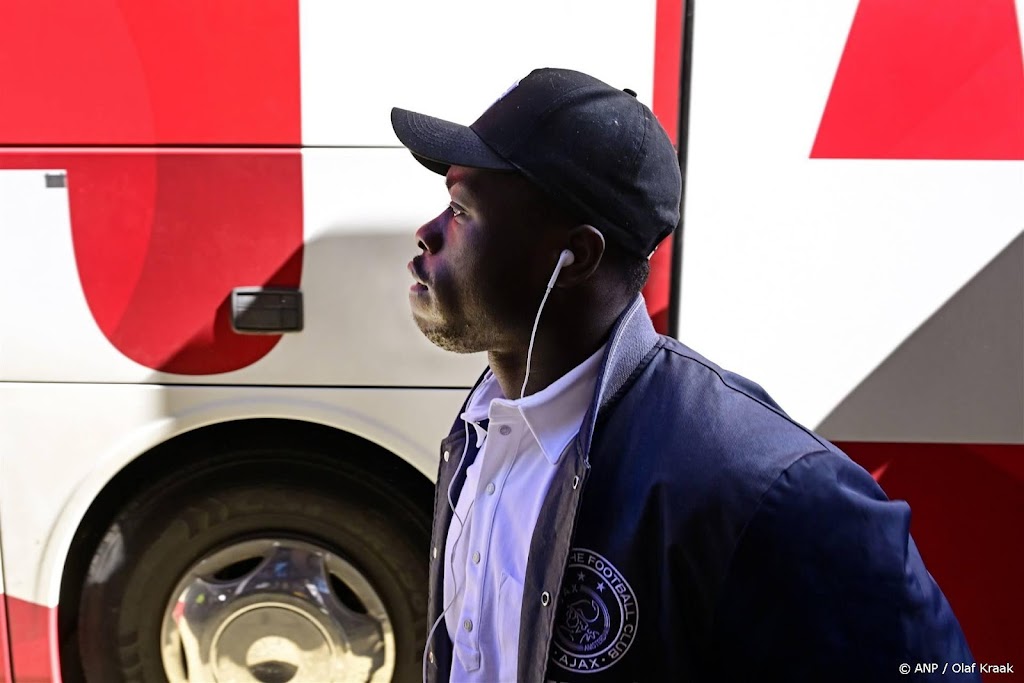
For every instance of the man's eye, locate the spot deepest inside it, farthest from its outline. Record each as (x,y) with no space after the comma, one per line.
(456,210)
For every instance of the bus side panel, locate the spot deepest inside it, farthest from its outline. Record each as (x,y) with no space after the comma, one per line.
(807,274)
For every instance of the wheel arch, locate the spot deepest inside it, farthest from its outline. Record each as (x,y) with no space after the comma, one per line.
(188,448)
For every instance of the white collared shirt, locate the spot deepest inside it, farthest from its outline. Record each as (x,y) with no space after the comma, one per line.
(485,562)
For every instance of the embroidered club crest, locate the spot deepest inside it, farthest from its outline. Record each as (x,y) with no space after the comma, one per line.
(597,617)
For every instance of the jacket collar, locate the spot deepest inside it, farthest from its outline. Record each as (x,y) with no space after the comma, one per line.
(632,338)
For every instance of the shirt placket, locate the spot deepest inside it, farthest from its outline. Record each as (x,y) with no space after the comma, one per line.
(501,448)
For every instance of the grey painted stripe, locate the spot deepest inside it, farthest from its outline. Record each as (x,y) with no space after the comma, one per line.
(958,378)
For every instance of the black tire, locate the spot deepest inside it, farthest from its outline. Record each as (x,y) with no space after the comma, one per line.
(165,530)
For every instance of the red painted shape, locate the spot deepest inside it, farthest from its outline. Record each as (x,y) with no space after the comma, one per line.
(34,651)
(161,239)
(658,289)
(144,72)
(927,79)
(668,54)
(968,510)
(5,654)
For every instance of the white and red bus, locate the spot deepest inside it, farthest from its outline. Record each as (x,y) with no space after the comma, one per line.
(218,422)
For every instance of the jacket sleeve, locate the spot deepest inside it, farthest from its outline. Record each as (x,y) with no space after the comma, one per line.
(826,584)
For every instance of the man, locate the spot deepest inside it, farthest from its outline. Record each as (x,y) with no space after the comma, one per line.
(612,506)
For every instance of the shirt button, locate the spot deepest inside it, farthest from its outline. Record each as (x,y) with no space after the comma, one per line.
(545,598)
(447,454)
(476,558)
(468,625)
(490,489)
(505,430)
(435,552)
(430,656)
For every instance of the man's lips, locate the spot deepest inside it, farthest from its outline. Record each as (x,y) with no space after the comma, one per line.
(414,271)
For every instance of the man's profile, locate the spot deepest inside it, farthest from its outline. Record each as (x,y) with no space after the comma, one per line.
(611,505)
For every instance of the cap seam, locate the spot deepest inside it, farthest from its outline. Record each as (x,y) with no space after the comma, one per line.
(634,164)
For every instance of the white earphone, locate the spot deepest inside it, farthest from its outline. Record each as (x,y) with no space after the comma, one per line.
(566,258)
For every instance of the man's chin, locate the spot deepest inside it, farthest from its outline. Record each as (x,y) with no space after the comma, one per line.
(448,339)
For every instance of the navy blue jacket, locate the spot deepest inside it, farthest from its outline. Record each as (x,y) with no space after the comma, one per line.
(694,532)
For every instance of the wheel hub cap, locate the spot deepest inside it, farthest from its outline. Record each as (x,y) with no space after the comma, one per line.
(276,611)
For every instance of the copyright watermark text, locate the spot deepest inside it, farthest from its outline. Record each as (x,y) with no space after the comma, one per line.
(955,668)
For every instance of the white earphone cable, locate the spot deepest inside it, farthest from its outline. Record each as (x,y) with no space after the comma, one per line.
(564,259)
(533,336)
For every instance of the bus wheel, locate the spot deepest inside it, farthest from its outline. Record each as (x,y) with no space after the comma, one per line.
(268,569)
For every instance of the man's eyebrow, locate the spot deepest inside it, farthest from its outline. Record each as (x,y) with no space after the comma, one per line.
(460,177)
(465,192)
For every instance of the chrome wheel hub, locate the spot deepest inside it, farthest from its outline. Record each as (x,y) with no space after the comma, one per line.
(276,611)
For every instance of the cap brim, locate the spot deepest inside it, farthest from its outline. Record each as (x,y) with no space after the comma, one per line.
(438,144)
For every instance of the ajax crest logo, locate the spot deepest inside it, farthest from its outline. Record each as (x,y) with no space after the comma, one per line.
(598,616)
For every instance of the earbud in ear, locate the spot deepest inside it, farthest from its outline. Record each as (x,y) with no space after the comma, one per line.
(564,259)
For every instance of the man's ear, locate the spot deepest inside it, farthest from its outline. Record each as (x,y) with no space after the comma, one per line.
(587,246)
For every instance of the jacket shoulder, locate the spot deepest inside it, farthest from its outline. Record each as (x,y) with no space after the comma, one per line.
(716,422)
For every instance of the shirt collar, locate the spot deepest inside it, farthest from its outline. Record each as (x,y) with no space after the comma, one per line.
(553,415)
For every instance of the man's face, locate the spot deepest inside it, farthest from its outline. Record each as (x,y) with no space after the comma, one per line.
(483,261)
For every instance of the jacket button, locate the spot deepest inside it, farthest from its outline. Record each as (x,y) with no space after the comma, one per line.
(575,483)
(435,552)
(545,598)
(431,658)
(447,454)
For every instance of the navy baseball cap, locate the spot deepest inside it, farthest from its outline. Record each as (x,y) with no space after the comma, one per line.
(595,149)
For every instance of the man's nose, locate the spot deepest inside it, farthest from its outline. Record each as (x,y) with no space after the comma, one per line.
(430,236)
